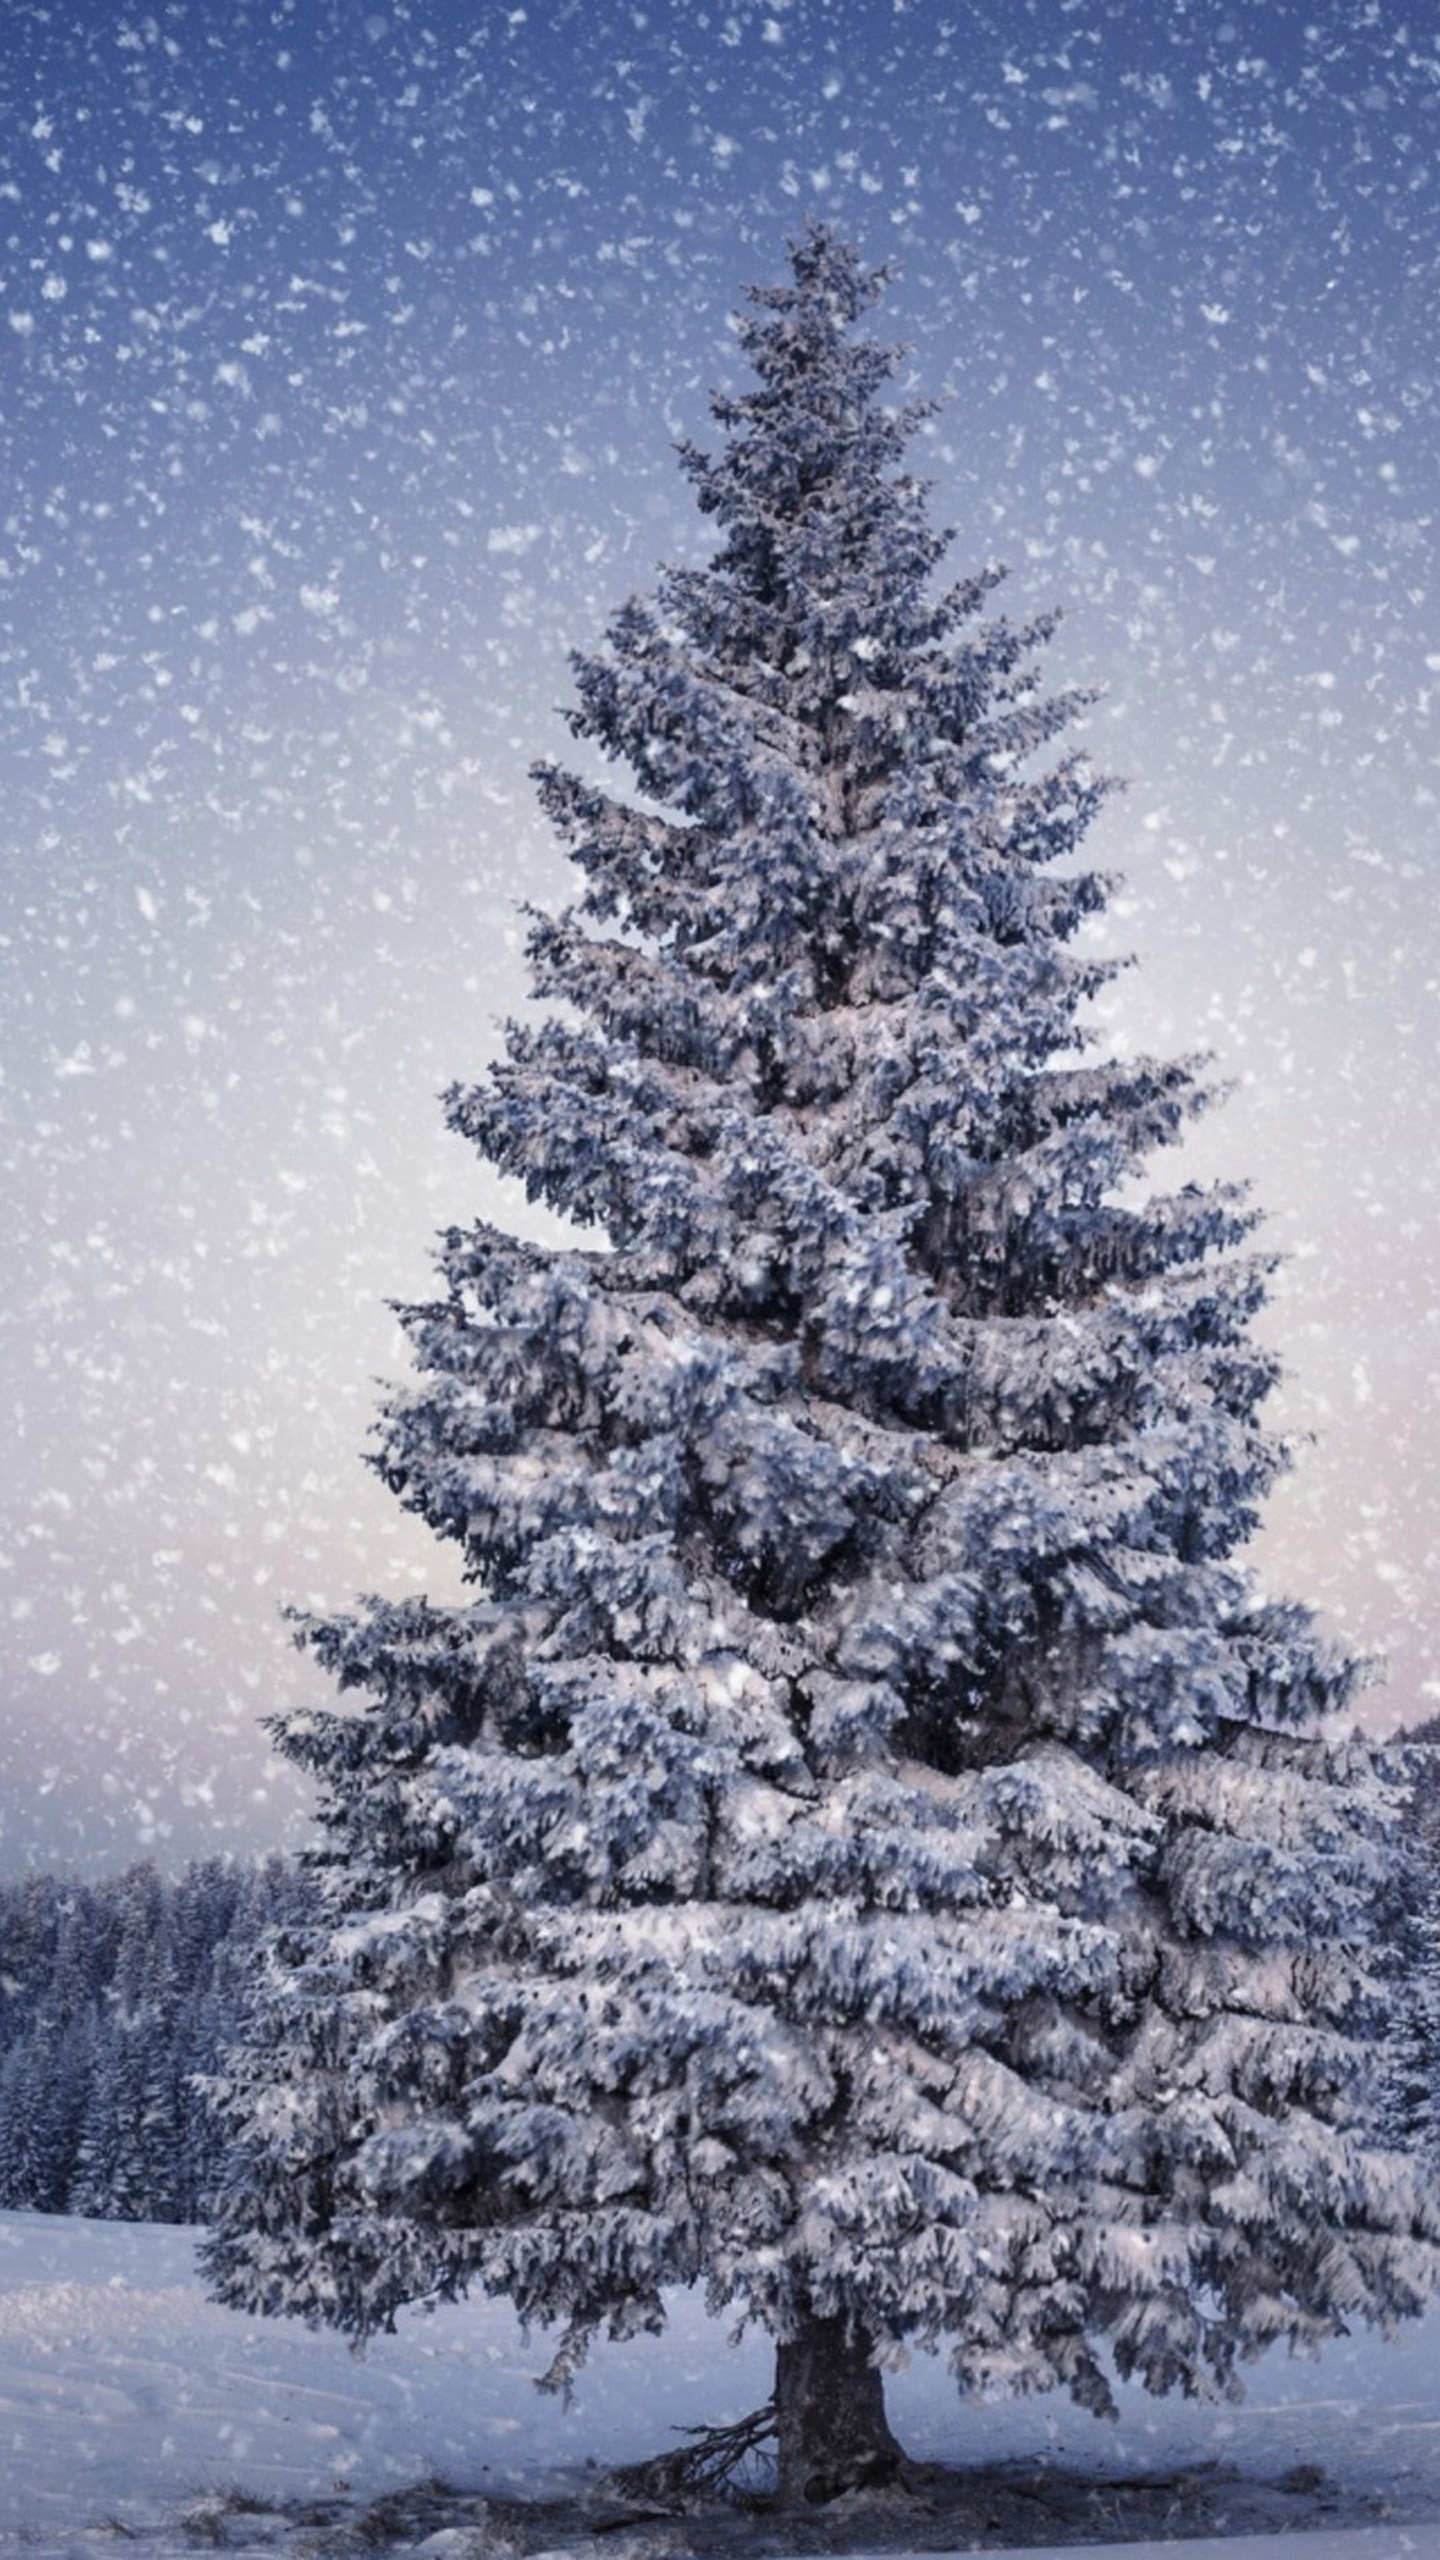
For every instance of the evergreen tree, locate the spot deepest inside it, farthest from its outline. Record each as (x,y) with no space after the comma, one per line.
(42,2090)
(48,1966)
(1412,2113)
(29,1918)
(102,2185)
(1412,2104)
(864,1844)
(61,2051)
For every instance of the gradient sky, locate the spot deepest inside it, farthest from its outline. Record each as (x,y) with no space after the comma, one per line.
(344,353)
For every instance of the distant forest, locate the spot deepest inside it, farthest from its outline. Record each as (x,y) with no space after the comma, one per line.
(113,1997)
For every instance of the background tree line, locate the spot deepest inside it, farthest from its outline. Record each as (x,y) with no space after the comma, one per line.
(115,1999)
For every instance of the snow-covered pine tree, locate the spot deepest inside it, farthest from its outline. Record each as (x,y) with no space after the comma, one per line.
(1412,2110)
(863,1845)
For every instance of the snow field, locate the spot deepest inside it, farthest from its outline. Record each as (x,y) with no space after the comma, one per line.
(125,2395)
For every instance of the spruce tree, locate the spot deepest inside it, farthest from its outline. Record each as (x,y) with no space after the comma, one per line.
(1412,2110)
(865,1844)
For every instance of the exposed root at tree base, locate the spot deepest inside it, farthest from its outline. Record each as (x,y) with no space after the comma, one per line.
(704,2466)
(718,2462)
(996,2506)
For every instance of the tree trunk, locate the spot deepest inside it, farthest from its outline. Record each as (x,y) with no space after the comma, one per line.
(830,2415)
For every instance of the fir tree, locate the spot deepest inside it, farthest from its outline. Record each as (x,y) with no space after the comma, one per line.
(865,1844)
(1412,2110)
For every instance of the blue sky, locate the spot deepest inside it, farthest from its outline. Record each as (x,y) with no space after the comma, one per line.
(345,352)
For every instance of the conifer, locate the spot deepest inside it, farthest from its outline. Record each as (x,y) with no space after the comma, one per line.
(865,1844)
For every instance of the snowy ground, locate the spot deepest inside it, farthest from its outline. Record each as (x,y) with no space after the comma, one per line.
(131,2408)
